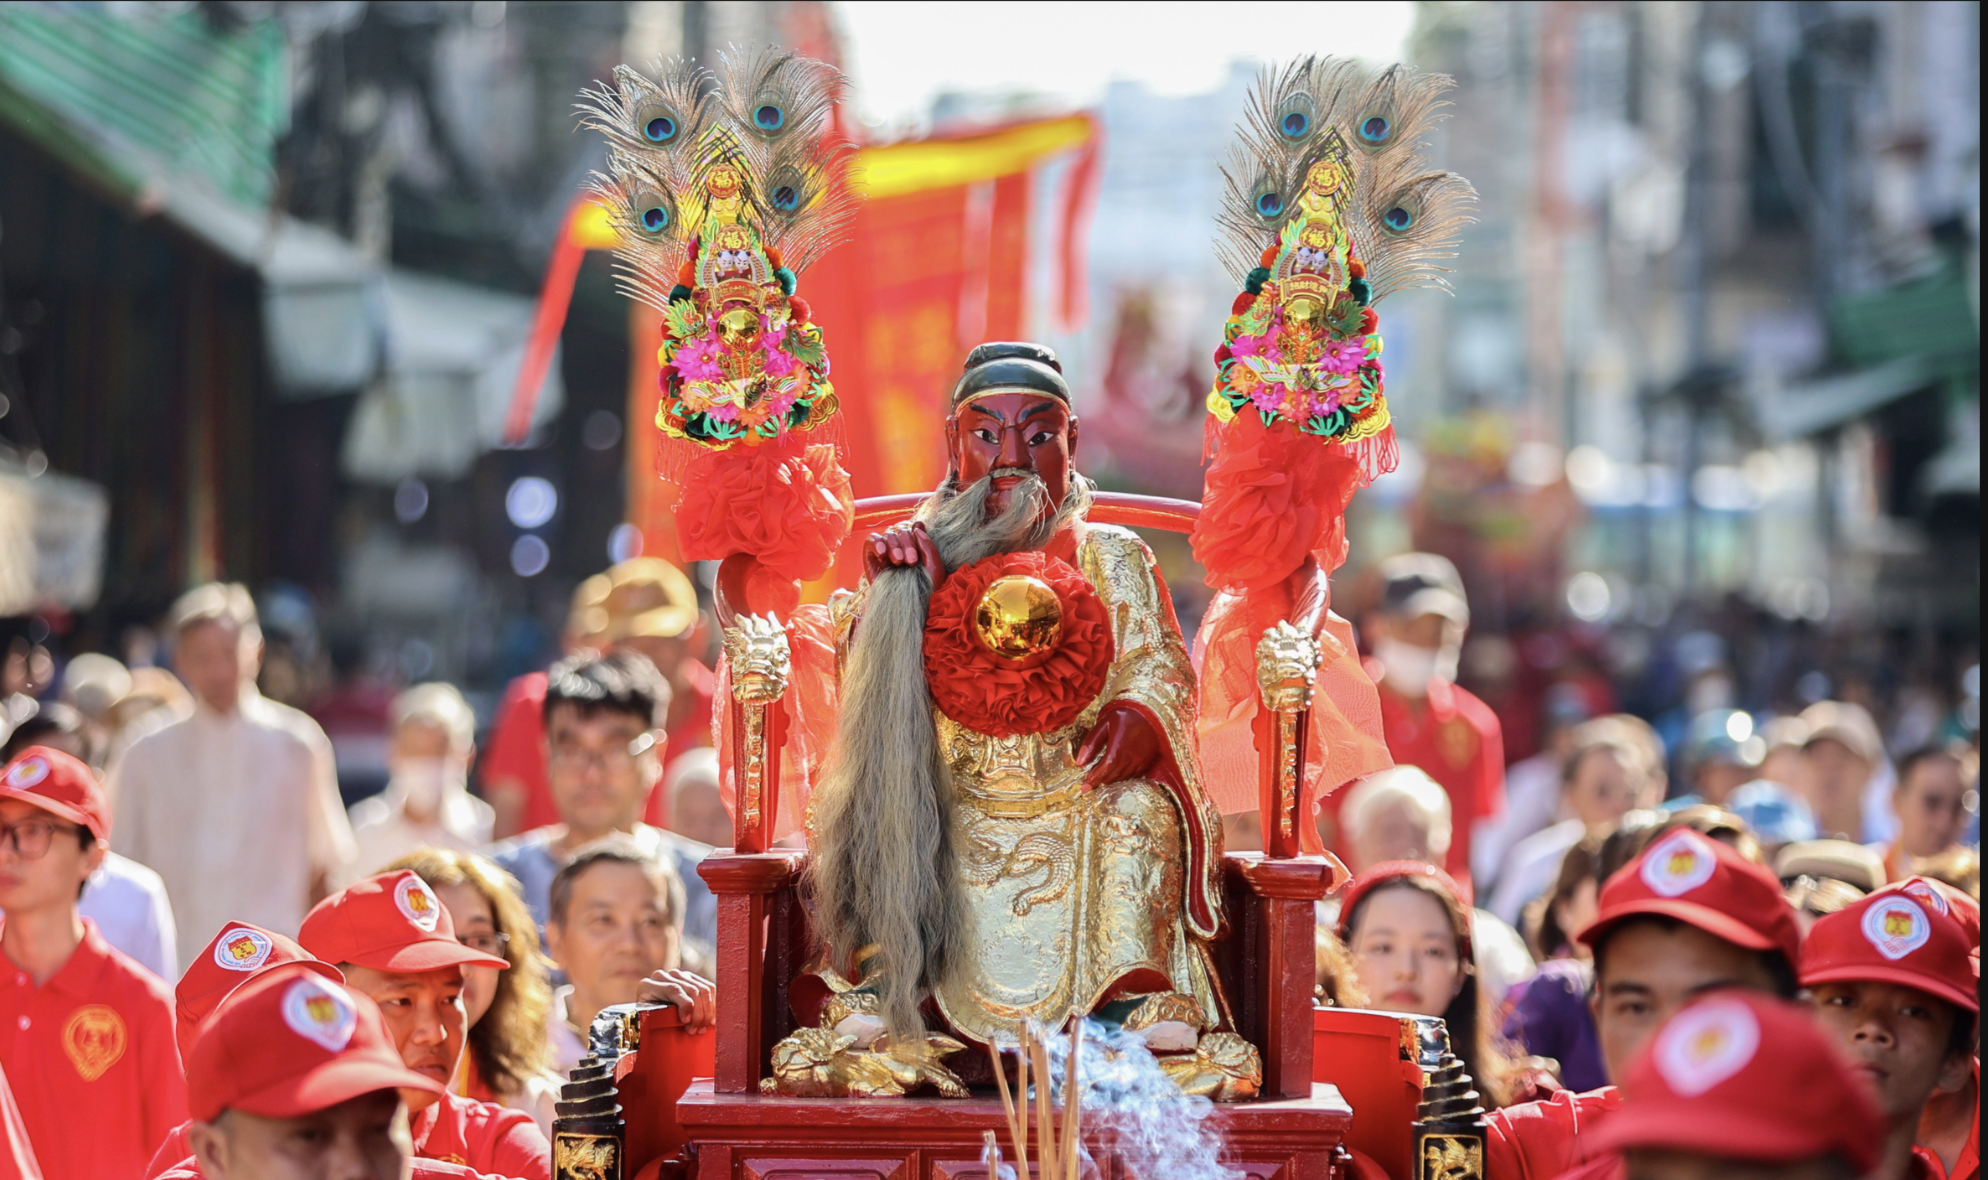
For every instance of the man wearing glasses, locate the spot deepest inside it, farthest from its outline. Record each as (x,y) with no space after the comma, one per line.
(604,757)
(85,1031)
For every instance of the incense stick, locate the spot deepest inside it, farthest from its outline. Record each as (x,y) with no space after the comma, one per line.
(1045,1120)
(1072,1099)
(1017,1130)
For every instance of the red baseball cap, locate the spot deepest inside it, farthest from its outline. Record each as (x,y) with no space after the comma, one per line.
(59,785)
(1744,1076)
(290,1042)
(1703,883)
(1397,870)
(1943,898)
(1894,937)
(237,954)
(392,922)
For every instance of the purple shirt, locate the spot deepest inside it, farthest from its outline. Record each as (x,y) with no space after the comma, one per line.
(1550,1018)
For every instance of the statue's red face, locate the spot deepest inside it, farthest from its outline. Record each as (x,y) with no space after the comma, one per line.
(1024,432)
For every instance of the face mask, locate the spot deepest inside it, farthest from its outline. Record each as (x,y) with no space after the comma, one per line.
(1408,669)
(422,782)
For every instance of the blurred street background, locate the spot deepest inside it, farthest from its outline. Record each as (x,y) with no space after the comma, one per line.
(300,296)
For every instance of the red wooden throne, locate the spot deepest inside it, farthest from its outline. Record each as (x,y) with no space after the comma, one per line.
(652,1100)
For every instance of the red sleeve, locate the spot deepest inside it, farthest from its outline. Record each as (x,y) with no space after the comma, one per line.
(510,1144)
(159,1065)
(1541,1140)
(17,1155)
(172,1153)
(517,737)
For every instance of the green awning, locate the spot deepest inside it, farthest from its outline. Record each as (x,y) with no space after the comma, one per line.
(138,97)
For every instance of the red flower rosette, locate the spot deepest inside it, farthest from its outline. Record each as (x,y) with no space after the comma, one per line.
(1003,697)
(785,502)
(1271,496)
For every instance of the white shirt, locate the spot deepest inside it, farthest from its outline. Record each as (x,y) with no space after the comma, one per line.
(565,1046)
(383,832)
(128,902)
(238,813)
(1532,795)
(1534,866)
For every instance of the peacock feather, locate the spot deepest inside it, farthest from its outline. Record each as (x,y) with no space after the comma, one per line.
(761,122)
(1400,217)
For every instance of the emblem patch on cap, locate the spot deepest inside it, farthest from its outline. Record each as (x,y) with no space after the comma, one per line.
(241,949)
(416,903)
(319,1012)
(1705,1045)
(94,1039)
(27,773)
(1897,927)
(1678,864)
(1926,896)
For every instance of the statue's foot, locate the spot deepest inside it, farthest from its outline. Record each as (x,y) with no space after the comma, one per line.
(1168,1022)
(1223,1068)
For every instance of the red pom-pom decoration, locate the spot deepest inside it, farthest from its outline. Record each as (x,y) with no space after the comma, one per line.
(1268,257)
(1356,268)
(798,310)
(1002,696)
(686,275)
(1272,495)
(773,257)
(785,502)
(1242,303)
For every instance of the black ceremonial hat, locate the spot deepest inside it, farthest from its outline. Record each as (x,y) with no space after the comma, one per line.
(1012,367)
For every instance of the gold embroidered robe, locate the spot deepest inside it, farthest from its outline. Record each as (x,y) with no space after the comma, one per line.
(1079,895)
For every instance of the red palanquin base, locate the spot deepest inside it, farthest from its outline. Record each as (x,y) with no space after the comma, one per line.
(764,1137)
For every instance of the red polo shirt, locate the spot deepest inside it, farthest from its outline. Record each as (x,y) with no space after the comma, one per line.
(17,1158)
(1455,739)
(94,1047)
(1541,1140)
(484,1136)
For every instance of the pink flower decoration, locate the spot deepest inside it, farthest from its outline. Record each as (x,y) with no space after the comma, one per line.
(1343,356)
(1268,397)
(696,359)
(778,363)
(1246,346)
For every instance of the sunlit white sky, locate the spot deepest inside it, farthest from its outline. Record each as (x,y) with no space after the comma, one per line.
(901,56)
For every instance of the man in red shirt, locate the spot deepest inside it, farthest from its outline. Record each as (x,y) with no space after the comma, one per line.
(1688,917)
(86,1030)
(644,604)
(1894,987)
(297,1076)
(240,952)
(1739,1086)
(1429,721)
(395,943)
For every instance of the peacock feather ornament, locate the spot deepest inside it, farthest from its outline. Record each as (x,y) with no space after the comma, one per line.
(722,188)
(1329,207)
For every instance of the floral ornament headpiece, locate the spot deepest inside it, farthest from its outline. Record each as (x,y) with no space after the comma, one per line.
(723,189)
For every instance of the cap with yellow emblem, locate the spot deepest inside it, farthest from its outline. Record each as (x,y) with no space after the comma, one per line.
(392,922)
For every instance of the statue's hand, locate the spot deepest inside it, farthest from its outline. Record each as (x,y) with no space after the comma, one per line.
(904,545)
(1124,744)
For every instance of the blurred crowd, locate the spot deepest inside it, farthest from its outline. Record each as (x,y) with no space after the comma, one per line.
(556,847)
(489,927)
(1486,894)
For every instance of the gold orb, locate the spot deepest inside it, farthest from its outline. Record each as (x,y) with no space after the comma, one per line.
(739,327)
(1305,312)
(1018,617)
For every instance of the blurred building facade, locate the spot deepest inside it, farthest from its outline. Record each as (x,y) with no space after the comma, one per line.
(265,279)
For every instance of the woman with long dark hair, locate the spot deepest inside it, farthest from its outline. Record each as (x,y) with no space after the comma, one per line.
(1407,927)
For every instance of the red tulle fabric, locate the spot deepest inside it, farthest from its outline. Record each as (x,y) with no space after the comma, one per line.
(1272,496)
(812,710)
(785,502)
(983,692)
(1344,738)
